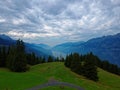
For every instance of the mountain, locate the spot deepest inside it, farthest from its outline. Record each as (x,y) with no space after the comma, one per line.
(67,47)
(5,37)
(39,51)
(106,48)
(6,40)
(36,48)
(44,46)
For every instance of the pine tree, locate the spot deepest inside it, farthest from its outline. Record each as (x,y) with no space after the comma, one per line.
(68,60)
(90,69)
(75,62)
(16,59)
(3,55)
(50,59)
(43,60)
(57,59)
(83,65)
(11,57)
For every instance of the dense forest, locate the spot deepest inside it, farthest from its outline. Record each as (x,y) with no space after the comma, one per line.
(86,65)
(16,59)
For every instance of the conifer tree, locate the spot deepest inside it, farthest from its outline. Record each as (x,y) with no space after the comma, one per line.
(68,60)
(50,59)
(11,57)
(75,62)
(3,55)
(90,68)
(16,59)
(83,65)
(43,60)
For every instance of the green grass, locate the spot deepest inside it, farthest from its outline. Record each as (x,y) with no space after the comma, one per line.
(42,73)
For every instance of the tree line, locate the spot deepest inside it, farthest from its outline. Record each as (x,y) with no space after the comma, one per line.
(83,65)
(16,59)
(86,65)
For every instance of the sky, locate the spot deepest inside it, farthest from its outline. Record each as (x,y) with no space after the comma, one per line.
(57,21)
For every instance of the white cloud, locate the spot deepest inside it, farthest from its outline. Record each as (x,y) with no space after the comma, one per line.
(2,20)
(19,21)
(27,35)
(68,19)
(116,2)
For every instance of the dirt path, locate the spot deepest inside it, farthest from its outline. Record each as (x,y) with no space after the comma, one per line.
(56,83)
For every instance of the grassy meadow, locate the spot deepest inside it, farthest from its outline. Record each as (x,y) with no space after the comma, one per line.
(42,73)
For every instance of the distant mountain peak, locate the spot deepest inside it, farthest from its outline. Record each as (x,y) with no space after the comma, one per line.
(118,34)
(44,46)
(5,37)
(105,47)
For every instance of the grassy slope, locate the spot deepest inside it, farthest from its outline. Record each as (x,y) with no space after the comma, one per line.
(39,74)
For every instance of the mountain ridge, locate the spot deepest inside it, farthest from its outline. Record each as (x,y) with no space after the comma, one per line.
(37,49)
(106,48)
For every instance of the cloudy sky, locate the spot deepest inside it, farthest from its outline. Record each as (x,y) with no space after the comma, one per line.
(57,21)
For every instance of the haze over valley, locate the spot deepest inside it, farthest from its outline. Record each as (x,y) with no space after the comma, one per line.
(59,44)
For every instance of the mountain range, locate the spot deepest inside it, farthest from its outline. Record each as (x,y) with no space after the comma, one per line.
(106,47)
(38,49)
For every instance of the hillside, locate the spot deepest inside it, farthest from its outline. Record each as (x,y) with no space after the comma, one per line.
(38,49)
(106,48)
(42,73)
(6,40)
